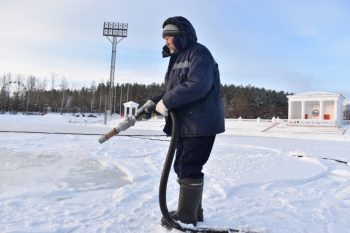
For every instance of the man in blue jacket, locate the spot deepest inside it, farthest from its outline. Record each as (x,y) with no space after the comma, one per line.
(192,91)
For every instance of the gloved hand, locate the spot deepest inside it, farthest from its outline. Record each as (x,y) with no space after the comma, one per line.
(161,108)
(146,110)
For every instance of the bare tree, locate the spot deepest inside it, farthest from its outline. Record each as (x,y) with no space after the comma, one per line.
(63,87)
(93,90)
(5,79)
(31,83)
(43,84)
(100,102)
(53,77)
(31,86)
(5,97)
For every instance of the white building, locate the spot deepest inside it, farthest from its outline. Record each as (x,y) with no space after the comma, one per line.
(346,112)
(315,109)
(130,108)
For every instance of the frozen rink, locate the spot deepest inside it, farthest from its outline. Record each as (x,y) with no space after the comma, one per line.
(253,180)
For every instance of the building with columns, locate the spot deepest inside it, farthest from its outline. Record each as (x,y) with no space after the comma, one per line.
(346,112)
(315,109)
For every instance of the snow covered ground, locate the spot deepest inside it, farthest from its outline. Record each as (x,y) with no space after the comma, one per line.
(71,183)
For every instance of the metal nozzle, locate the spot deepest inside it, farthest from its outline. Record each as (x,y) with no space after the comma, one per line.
(108,135)
(122,126)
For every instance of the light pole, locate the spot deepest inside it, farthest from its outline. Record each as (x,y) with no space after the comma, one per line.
(115,32)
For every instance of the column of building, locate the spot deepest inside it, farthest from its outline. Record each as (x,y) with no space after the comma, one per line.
(290,109)
(336,120)
(302,109)
(321,114)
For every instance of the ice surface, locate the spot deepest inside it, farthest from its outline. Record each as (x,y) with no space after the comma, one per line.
(71,183)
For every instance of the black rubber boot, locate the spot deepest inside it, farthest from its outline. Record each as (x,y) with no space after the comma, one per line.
(190,197)
(200,217)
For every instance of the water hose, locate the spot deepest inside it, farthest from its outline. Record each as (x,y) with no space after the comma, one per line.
(166,170)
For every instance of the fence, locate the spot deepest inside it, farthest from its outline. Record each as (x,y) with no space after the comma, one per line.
(272,120)
(309,122)
(346,122)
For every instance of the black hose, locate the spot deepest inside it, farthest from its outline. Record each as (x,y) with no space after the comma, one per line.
(166,170)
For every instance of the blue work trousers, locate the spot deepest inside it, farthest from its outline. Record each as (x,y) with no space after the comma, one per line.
(191,155)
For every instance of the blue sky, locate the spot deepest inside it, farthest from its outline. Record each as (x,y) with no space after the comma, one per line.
(290,45)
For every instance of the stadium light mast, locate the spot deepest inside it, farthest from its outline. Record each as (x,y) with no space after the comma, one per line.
(115,32)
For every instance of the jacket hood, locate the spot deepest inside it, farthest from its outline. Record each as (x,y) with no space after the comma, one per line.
(185,39)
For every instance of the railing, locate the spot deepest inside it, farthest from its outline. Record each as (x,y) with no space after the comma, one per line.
(273,120)
(311,122)
(296,122)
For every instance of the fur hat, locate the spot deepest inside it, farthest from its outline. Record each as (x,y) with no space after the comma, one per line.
(171,30)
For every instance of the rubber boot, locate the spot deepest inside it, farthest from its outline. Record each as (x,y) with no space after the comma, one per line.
(200,217)
(189,198)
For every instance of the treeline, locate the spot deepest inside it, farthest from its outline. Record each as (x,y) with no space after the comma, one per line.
(41,95)
(252,102)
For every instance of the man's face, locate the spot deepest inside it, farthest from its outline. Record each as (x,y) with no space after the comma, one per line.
(169,43)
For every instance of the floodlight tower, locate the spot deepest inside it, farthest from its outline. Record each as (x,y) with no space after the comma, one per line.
(115,32)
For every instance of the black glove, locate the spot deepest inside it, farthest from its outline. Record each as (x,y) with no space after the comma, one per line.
(145,112)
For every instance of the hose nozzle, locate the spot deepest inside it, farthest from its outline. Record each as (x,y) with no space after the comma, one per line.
(123,125)
(108,135)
